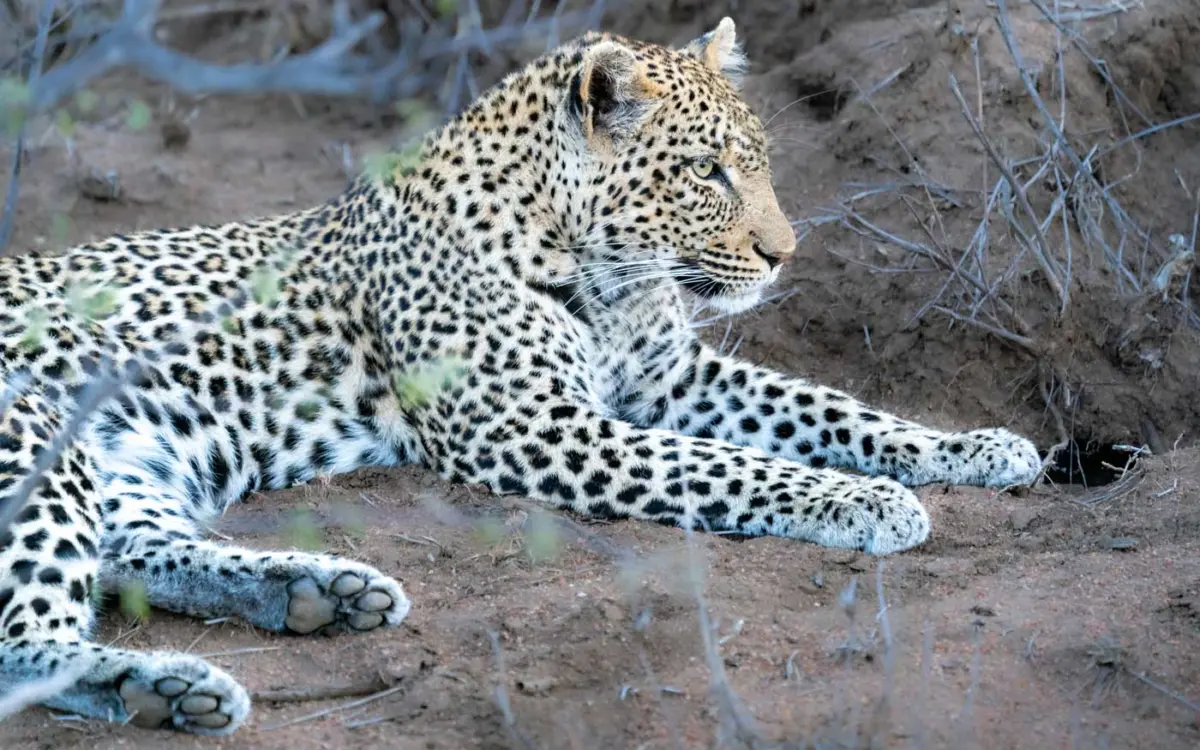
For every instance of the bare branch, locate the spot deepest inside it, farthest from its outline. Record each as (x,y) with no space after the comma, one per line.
(14,174)
(328,69)
(92,398)
(1037,244)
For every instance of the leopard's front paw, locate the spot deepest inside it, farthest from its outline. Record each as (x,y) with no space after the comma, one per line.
(995,458)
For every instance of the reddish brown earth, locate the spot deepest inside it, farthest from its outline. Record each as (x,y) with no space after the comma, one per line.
(1064,617)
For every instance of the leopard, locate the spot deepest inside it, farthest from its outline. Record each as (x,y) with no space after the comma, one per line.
(552,243)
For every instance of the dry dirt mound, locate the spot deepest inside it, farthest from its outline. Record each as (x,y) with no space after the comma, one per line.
(907,295)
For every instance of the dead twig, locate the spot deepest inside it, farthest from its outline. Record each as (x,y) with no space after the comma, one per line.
(1036,243)
(91,399)
(737,725)
(335,709)
(322,692)
(1141,677)
(500,695)
(329,69)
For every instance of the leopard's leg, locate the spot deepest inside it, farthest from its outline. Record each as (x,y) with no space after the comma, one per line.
(574,458)
(154,542)
(49,560)
(710,395)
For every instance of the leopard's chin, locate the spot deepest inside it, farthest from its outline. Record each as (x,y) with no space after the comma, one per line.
(722,296)
(736,304)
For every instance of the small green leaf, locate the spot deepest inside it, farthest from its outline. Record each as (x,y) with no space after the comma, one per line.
(64,123)
(411,109)
(138,116)
(14,105)
(265,285)
(308,410)
(302,532)
(61,228)
(90,303)
(37,322)
(444,8)
(135,604)
(87,101)
(489,532)
(543,540)
(101,304)
(386,166)
(416,388)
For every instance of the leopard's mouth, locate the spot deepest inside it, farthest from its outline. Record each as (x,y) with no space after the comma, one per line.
(722,295)
(705,287)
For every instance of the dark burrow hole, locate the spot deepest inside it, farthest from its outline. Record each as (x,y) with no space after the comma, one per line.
(823,98)
(1090,463)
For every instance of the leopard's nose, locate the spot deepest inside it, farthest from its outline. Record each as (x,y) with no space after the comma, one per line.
(772,260)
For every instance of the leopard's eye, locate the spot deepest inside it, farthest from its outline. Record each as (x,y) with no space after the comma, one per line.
(705,169)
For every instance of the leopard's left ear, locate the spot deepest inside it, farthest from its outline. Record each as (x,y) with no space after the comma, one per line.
(611,94)
(720,50)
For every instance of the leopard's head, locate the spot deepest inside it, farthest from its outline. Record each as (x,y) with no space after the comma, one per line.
(673,177)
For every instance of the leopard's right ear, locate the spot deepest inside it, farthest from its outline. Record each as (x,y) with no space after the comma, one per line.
(721,51)
(610,94)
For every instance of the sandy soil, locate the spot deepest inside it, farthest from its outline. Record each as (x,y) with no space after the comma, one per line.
(1068,616)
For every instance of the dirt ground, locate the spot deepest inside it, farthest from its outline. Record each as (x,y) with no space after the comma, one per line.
(1066,616)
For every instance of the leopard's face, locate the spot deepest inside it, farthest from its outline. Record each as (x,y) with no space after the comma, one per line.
(682,183)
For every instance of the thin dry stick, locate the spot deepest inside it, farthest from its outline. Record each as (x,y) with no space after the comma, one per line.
(240,651)
(321,692)
(1024,342)
(859,224)
(335,709)
(733,714)
(92,398)
(668,713)
(1101,68)
(889,657)
(1020,336)
(1040,249)
(1141,677)
(500,695)
(965,719)
(1083,169)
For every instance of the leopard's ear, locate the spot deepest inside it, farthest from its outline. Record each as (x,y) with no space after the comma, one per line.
(721,51)
(610,93)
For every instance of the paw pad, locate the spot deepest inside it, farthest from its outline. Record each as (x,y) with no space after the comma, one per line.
(351,602)
(212,705)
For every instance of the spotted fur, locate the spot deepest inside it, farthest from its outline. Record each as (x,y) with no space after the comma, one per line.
(551,239)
